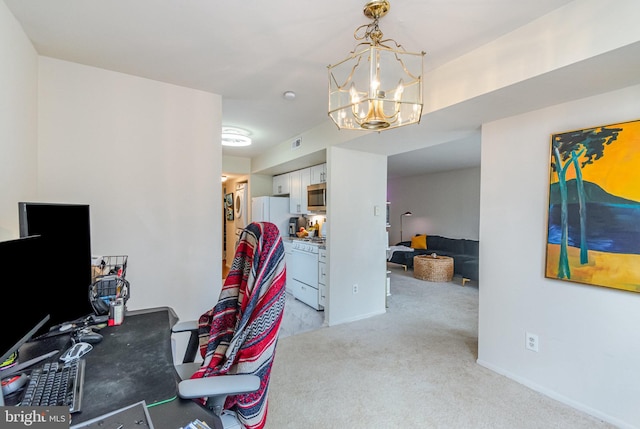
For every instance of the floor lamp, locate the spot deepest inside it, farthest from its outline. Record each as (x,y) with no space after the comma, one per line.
(401,216)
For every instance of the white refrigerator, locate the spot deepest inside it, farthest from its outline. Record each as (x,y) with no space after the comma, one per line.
(272,209)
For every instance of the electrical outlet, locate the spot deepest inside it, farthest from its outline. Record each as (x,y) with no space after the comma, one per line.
(355,288)
(531,341)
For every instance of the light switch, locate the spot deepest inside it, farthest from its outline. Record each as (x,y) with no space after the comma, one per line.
(376,210)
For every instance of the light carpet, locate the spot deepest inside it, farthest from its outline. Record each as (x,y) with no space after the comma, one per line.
(412,367)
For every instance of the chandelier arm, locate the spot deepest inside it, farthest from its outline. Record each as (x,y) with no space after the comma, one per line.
(389,118)
(398,45)
(355,115)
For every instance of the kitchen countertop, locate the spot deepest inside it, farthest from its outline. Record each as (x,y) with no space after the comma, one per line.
(319,242)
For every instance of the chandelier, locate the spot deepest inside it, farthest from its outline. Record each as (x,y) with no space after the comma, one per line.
(379,85)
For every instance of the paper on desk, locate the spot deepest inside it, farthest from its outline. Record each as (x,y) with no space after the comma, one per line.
(134,416)
(197,424)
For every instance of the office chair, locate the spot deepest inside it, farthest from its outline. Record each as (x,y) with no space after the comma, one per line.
(237,338)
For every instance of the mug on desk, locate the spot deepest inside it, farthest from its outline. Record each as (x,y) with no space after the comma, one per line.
(116,312)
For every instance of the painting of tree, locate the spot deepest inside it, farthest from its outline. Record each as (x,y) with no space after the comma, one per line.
(594,206)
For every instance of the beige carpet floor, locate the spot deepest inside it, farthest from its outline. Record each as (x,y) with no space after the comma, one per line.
(413,367)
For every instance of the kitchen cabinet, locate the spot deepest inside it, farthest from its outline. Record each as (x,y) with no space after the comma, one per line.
(281,184)
(318,174)
(298,182)
(323,277)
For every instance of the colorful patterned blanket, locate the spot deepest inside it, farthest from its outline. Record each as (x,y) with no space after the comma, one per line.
(239,335)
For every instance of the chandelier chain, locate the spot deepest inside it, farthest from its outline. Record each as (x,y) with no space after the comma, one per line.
(369,31)
(370,34)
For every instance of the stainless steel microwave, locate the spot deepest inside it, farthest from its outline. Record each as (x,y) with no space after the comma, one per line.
(317,197)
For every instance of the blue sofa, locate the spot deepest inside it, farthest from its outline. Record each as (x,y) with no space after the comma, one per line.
(464,252)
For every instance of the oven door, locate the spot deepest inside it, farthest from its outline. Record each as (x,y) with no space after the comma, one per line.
(304,278)
(304,267)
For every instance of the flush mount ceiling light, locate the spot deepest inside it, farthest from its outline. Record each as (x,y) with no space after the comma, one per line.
(235,137)
(379,85)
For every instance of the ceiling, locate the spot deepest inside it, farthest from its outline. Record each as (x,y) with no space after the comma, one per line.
(251,52)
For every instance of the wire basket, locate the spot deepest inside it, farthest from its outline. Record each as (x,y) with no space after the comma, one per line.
(108,282)
(433,268)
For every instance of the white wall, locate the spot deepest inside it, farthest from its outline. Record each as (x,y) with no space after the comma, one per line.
(445,203)
(356,244)
(18,122)
(588,336)
(236,165)
(146,156)
(260,185)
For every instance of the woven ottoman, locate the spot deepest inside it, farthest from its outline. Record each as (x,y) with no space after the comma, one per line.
(433,269)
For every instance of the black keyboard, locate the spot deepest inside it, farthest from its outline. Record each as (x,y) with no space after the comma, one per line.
(56,384)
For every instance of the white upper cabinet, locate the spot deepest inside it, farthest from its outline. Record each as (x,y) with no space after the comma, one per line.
(318,174)
(298,182)
(295,185)
(281,184)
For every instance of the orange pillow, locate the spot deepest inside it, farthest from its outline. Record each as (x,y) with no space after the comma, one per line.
(419,242)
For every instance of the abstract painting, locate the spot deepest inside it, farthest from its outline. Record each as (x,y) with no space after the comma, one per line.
(593,234)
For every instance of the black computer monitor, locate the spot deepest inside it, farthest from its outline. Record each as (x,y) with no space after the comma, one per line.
(65,267)
(24,312)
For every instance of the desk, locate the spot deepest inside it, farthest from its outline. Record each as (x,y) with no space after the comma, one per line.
(132,363)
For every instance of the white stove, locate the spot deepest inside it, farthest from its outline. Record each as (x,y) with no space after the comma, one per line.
(303,272)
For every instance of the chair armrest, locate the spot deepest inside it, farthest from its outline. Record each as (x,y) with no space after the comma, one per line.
(218,385)
(186,326)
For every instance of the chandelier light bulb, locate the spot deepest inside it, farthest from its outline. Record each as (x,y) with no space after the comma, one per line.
(355,98)
(375,84)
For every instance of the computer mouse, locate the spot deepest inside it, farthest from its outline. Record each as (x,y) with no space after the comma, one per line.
(13,383)
(89,337)
(76,351)
(66,327)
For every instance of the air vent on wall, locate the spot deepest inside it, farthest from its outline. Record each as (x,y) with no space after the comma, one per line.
(296,143)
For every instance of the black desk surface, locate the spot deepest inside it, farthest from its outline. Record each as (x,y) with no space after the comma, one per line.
(132,363)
